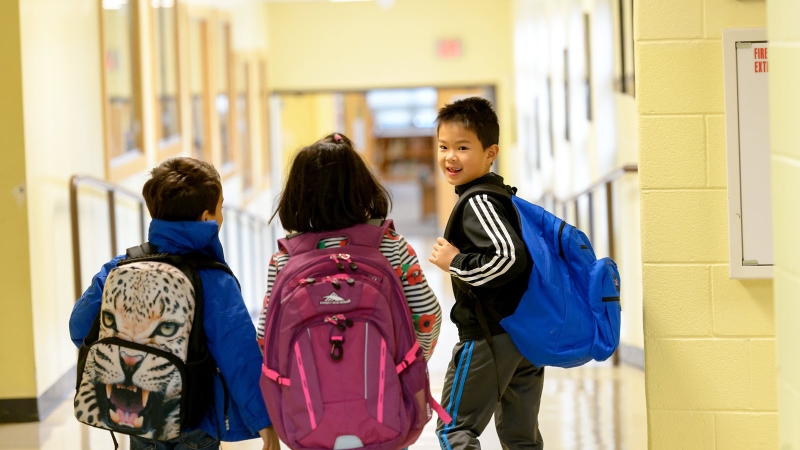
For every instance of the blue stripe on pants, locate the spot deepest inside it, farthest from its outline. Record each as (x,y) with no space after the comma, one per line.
(458,385)
(442,441)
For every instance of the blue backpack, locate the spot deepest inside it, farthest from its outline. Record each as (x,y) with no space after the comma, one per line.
(570,313)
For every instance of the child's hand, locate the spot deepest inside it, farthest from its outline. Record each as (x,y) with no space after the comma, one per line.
(443,254)
(270,438)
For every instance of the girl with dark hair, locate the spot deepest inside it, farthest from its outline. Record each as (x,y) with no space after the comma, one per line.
(330,188)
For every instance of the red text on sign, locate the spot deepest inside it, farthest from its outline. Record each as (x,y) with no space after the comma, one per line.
(761,63)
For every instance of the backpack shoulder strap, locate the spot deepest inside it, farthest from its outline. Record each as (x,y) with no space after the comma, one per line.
(141,250)
(484,188)
(199,261)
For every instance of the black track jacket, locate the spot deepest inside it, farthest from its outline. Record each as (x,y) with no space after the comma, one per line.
(493,262)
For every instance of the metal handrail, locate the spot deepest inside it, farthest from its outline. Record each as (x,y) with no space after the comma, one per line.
(112,191)
(606,182)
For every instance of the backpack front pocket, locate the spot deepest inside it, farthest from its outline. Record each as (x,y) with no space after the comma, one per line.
(344,383)
(604,296)
(130,388)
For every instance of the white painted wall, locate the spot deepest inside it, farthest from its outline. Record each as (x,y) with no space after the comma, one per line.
(543,29)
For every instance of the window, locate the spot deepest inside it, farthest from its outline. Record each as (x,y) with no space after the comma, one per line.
(587,55)
(630,73)
(551,132)
(566,94)
(121,88)
(165,53)
(624,71)
(536,138)
(243,122)
(263,98)
(198,87)
(223,97)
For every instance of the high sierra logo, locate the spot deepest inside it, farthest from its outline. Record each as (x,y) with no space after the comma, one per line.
(334,299)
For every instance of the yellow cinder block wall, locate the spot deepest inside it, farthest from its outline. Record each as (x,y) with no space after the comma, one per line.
(17,367)
(709,340)
(784,53)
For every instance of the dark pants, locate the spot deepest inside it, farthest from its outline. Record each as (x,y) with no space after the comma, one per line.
(192,440)
(478,385)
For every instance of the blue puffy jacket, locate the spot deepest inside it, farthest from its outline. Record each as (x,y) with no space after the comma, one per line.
(229,329)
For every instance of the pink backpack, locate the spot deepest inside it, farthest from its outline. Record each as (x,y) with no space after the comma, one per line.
(342,366)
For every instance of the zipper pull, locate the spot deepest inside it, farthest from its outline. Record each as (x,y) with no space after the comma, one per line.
(346,257)
(339,265)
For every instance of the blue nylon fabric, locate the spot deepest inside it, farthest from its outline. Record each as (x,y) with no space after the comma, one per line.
(562,319)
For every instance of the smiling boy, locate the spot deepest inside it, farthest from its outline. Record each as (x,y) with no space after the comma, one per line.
(489,266)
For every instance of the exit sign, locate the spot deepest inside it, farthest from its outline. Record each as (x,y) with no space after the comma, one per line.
(448,48)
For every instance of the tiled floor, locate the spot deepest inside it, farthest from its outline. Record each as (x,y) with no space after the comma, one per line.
(592,407)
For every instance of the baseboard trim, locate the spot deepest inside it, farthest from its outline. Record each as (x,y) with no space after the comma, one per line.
(60,390)
(18,410)
(631,355)
(21,410)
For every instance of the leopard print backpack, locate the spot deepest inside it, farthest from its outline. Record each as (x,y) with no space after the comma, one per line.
(144,368)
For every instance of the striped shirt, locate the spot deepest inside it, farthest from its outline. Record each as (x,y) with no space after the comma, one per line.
(500,254)
(493,265)
(422,302)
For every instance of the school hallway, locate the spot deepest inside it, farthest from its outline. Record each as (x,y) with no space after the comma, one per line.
(665,130)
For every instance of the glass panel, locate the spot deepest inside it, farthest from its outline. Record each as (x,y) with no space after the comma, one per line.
(243,122)
(587,55)
(551,132)
(403,108)
(619,34)
(566,95)
(223,94)
(166,60)
(197,83)
(630,63)
(123,125)
(264,99)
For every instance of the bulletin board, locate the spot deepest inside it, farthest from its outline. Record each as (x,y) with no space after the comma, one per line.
(746,69)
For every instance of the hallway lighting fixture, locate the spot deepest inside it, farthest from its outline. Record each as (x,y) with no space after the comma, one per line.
(114,4)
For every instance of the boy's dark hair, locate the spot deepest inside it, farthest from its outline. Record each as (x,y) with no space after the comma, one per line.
(181,189)
(476,115)
(329,188)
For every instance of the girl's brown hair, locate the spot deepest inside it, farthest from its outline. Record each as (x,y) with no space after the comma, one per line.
(329,188)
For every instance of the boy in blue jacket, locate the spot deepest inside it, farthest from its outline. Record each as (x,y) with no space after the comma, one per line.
(184,197)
